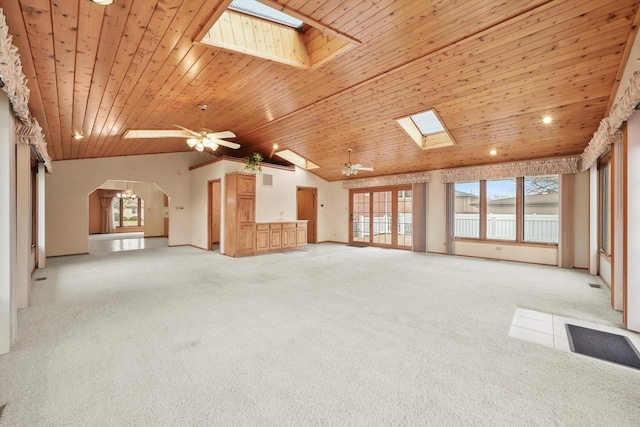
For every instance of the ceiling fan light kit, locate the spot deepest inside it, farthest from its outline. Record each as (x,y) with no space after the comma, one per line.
(196,140)
(352,169)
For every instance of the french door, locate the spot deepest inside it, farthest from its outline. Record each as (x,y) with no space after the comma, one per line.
(381,217)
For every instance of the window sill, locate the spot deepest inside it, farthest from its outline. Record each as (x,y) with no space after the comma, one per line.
(508,242)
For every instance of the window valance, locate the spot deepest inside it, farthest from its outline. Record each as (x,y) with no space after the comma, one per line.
(15,85)
(609,130)
(562,165)
(383,181)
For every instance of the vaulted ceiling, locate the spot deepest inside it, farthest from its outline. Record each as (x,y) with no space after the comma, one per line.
(490,69)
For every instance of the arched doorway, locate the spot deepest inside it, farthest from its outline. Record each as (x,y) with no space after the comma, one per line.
(127,215)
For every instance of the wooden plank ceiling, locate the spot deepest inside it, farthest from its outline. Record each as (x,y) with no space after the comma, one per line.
(491,70)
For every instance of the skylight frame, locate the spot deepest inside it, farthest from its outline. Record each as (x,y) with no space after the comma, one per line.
(427,138)
(259,10)
(296,159)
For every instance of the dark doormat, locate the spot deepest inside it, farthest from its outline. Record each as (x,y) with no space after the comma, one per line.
(357,246)
(603,345)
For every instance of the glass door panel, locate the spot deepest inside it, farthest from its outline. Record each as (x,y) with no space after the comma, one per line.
(361,219)
(405,218)
(382,217)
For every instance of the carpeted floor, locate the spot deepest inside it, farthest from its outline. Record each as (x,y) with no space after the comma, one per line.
(332,336)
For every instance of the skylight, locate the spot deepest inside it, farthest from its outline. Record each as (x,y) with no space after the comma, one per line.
(427,122)
(427,130)
(255,8)
(297,159)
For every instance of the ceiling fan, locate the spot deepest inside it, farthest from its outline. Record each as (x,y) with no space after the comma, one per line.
(352,169)
(198,140)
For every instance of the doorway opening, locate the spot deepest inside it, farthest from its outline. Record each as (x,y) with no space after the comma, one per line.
(123,214)
(307,201)
(214,215)
(382,217)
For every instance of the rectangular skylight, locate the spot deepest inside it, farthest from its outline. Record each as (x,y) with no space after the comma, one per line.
(427,122)
(255,8)
(426,130)
(297,159)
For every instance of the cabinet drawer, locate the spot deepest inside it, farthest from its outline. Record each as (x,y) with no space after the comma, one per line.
(276,226)
(262,226)
(289,225)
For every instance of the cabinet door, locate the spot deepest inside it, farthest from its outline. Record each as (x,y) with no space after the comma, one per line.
(262,240)
(292,237)
(246,209)
(246,184)
(245,238)
(302,235)
(276,239)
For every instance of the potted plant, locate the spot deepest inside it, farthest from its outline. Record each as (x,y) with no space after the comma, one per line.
(254,162)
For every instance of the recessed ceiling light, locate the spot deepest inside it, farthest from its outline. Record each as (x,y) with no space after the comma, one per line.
(546,120)
(275,146)
(78,136)
(493,152)
(103,2)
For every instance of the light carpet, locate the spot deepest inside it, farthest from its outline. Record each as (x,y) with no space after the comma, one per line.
(331,336)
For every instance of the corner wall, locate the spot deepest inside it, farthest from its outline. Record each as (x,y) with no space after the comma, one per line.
(68,187)
(333,212)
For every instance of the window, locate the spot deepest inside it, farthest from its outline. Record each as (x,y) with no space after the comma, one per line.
(501,209)
(128,212)
(255,8)
(467,210)
(426,130)
(513,209)
(604,226)
(541,209)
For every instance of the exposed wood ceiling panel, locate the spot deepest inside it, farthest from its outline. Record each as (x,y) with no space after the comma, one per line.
(490,69)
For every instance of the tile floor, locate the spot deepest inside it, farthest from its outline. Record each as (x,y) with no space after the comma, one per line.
(549,329)
(105,243)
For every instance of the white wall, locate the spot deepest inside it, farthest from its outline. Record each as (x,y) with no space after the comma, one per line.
(23,224)
(436,214)
(333,212)
(8,287)
(67,188)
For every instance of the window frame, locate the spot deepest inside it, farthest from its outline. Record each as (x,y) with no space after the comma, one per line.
(604,203)
(121,208)
(520,237)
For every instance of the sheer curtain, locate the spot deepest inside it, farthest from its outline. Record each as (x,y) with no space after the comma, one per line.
(106,214)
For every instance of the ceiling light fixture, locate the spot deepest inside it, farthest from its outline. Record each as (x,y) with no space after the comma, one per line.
(493,152)
(103,2)
(547,119)
(77,136)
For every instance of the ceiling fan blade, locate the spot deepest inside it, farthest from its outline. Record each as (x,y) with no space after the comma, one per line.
(191,132)
(227,144)
(223,134)
(359,167)
(147,133)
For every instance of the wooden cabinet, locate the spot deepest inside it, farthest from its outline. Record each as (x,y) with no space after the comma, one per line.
(262,237)
(275,241)
(301,234)
(289,235)
(242,236)
(280,236)
(240,213)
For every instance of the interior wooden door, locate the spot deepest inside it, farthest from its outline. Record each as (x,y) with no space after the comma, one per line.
(307,210)
(214,213)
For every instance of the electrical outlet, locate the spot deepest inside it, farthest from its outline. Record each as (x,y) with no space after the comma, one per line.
(498,248)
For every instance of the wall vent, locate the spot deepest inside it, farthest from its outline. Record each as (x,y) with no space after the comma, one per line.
(267,180)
